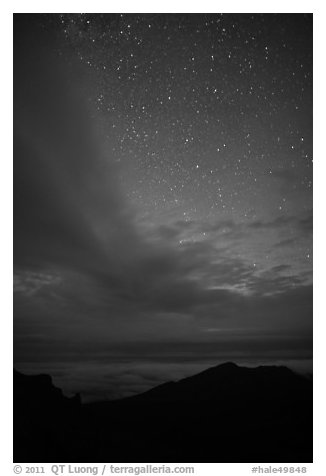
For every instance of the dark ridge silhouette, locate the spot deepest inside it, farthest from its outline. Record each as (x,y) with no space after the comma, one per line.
(44,419)
(226,413)
(224,381)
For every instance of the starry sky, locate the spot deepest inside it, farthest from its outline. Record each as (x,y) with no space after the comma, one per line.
(162,195)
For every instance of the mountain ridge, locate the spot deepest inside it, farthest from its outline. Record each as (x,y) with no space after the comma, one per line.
(226,413)
(227,373)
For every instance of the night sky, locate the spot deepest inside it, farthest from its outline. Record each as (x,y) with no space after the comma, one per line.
(162,195)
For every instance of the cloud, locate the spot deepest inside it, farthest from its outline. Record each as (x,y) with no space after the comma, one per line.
(306,223)
(68,208)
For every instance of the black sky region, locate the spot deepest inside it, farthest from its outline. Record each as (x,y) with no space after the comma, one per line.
(162,195)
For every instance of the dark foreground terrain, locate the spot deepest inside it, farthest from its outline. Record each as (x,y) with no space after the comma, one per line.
(224,414)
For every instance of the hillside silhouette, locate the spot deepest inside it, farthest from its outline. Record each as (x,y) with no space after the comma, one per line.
(226,413)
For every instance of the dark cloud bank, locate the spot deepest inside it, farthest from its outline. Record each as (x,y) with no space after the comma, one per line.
(105,303)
